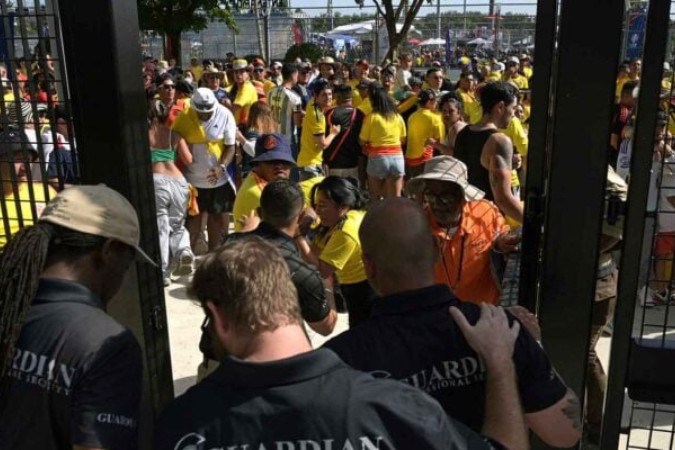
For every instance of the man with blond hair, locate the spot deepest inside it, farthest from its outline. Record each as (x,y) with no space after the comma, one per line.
(273,391)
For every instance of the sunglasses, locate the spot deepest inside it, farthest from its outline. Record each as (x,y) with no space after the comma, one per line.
(258,70)
(169,87)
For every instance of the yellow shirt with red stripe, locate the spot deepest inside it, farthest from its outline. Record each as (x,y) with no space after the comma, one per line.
(423,124)
(341,248)
(247,95)
(248,198)
(314,124)
(464,264)
(382,135)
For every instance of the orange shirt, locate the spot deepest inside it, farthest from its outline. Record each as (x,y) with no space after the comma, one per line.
(464,264)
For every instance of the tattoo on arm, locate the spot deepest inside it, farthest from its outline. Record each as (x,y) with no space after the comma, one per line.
(573,409)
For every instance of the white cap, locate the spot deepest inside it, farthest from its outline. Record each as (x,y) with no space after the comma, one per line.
(514,59)
(203,100)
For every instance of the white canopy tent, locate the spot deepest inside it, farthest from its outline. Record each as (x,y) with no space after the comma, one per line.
(364,27)
(433,41)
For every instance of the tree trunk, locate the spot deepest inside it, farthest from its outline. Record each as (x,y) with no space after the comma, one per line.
(261,44)
(173,47)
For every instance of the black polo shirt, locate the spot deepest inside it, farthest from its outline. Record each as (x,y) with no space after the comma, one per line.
(312,401)
(75,376)
(314,306)
(412,338)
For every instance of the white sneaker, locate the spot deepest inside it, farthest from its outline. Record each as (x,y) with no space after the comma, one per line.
(185,264)
(646,297)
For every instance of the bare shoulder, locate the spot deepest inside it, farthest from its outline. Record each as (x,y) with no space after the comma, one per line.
(498,144)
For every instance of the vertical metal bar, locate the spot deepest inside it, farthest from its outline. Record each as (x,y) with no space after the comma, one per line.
(577,178)
(650,87)
(544,56)
(113,147)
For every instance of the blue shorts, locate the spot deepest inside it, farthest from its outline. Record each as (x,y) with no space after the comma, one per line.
(386,166)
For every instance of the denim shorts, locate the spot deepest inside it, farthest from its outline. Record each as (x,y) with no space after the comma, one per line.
(386,166)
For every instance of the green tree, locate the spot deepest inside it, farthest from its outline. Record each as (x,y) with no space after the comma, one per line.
(406,10)
(172,17)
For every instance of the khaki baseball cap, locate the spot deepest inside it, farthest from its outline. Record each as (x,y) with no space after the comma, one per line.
(96,210)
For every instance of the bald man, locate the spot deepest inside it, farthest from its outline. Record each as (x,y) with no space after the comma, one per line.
(409,338)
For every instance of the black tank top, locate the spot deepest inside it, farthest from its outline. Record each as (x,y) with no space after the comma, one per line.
(468,148)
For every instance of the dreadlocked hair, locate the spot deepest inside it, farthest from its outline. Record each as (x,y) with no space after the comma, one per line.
(22,261)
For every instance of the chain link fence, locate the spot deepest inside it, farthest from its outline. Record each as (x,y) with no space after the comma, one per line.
(351,33)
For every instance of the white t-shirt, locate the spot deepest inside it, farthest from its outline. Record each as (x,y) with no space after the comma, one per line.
(220,127)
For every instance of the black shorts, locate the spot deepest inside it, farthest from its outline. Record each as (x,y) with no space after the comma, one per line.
(216,200)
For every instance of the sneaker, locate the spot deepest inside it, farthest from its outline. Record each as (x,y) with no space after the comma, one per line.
(646,297)
(185,264)
(167,281)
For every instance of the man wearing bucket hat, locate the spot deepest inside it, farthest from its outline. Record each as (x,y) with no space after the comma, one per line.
(72,374)
(408,336)
(467,228)
(210,130)
(273,161)
(215,79)
(242,92)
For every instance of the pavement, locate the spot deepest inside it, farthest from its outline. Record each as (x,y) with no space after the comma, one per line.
(185,317)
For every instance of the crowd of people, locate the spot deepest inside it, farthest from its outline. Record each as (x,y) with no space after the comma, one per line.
(392,197)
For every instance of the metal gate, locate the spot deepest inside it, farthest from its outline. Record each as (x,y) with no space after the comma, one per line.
(573,98)
(73,94)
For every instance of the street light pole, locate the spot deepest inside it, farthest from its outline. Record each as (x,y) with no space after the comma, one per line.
(438,19)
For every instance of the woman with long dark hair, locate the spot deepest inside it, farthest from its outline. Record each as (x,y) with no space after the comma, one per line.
(382,137)
(336,249)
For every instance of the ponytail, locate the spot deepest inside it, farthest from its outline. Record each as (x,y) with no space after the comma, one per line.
(21,263)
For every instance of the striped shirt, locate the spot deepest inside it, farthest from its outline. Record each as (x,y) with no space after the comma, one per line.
(283,102)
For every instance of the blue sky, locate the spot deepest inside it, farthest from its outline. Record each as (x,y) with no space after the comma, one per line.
(316,7)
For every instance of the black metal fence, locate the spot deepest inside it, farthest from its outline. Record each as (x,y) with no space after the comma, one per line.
(34,114)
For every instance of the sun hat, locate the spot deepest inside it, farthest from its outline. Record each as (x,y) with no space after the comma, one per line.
(97,210)
(447,168)
(203,100)
(211,69)
(273,147)
(327,60)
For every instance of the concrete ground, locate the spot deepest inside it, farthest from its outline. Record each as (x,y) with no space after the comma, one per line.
(185,317)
